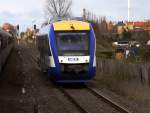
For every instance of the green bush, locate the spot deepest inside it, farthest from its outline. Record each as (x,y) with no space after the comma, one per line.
(105,54)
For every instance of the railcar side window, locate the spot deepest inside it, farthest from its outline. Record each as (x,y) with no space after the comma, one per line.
(4,42)
(43,44)
(47,45)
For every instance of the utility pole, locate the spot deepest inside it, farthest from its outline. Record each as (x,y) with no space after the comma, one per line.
(84,14)
(129,9)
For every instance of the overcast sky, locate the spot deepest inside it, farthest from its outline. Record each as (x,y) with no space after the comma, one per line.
(27,12)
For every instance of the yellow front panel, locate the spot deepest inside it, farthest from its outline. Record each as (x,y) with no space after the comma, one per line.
(71,25)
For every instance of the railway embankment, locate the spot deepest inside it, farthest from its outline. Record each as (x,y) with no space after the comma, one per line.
(132,81)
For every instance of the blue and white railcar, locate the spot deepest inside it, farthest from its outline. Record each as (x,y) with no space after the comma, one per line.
(67,51)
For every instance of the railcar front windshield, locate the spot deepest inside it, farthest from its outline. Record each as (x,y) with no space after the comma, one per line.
(73,43)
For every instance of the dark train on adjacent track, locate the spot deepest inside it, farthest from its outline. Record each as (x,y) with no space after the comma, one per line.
(67,50)
(7,36)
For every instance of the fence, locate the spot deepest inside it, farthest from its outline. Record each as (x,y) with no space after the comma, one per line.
(124,71)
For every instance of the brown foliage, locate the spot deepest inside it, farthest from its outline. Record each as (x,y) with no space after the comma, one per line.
(102,28)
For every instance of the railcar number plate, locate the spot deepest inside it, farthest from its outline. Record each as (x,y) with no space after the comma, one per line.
(73,59)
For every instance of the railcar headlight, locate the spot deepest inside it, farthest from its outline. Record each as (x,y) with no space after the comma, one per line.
(61,61)
(86,61)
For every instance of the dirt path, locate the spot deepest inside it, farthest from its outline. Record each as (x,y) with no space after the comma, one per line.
(24,89)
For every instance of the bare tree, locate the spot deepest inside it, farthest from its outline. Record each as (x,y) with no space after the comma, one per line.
(58,8)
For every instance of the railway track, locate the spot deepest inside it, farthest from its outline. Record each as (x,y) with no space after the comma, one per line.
(73,101)
(107,100)
(97,94)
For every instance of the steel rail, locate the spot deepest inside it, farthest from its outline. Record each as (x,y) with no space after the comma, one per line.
(72,100)
(109,101)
